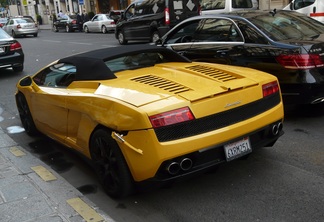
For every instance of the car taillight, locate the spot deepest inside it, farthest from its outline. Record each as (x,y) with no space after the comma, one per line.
(270,88)
(112,23)
(300,61)
(74,22)
(167,16)
(15,46)
(18,26)
(171,117)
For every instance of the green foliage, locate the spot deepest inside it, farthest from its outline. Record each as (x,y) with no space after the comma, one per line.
(91,14)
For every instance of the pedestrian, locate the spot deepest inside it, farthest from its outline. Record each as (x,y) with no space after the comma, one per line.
(60,14)
(85,16)
(79,21)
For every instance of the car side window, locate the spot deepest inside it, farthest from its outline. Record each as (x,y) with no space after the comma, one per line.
(298,4)
(57,75)
(250,34)
(207,30)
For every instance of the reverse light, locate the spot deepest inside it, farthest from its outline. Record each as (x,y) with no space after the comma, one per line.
(15,46)
(167,16)
(300,61)
(270,88)
(171,117)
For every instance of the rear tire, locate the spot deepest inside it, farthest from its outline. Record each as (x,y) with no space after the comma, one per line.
(18,68)
(110,164)
(104,29)
(13,34)
(67,28)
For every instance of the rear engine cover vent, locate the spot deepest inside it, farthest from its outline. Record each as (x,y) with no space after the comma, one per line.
(162,84)
(214,73)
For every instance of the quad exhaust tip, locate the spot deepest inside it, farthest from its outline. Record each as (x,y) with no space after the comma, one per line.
(174,167)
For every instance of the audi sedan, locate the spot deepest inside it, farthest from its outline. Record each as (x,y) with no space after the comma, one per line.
(11,53)
(145,114)
(286,44)
(21,26)
(100,23)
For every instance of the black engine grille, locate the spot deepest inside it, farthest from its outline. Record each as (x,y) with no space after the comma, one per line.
(216,121)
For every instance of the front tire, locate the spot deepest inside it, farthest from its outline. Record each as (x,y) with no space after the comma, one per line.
(86,29)
(110,164)
(121,38)
(25,115)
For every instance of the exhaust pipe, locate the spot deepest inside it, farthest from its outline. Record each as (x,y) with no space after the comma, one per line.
(276,128)
(173,168)
(186,164)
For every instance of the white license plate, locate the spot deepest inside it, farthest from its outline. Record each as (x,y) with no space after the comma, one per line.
(1,50)
(237,149)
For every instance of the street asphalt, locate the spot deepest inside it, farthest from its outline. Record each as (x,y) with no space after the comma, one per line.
(30,191)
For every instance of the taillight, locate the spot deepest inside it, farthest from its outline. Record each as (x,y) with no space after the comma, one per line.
(300,61)
(15,46)
(270,88)
(18,26)
(167,16)
(74,22)
(171,117)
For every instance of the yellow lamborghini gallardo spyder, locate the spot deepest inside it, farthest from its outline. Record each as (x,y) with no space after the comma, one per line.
(144,113)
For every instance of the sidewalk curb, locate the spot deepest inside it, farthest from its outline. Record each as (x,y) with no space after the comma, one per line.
(25,196)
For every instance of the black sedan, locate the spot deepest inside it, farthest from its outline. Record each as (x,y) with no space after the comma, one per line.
(67,23)
(11,53)
(286,44)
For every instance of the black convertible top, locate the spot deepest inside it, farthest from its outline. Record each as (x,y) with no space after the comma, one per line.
(91,65)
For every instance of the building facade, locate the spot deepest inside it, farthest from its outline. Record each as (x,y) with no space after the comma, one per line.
(47,8)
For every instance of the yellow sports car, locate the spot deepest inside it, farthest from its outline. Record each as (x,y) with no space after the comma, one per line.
(144,113)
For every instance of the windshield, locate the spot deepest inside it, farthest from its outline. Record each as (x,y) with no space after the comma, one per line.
(288,26)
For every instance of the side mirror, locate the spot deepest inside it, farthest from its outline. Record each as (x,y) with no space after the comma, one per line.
(27,81)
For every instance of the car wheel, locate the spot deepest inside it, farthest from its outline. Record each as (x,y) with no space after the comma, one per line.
(67,28)
(35,35)
(155,36)
(25,115)
(86,29)
(104,29)
(55,29)
(121,38)
(18,68)
(13,34)
(110,164)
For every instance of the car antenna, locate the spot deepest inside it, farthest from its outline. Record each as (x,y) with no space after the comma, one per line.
(273,12)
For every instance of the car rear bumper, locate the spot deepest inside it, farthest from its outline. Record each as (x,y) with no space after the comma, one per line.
(303,93)
(206,159)
(26,31)
(16,59)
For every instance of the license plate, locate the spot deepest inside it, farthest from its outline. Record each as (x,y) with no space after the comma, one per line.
(1,50)
(237,149)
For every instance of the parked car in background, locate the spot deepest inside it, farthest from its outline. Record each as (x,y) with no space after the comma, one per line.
(138,113)
(286,44)
(221,6)
(100,23)
(67,23)
(11,53)
(312,8)
(148,20)
(3,21)
(21,26)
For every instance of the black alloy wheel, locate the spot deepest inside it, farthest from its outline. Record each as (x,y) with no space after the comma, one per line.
(110,164)
(25,115)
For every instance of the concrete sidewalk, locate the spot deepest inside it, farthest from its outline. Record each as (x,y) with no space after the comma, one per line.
(30,191)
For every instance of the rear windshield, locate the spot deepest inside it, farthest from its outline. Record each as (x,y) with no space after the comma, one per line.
(288,26)
(24,20)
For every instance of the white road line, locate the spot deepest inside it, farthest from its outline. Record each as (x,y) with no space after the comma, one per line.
(51,41)
(80,43)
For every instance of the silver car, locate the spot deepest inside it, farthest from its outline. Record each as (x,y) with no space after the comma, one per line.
(21,27)
(100,23)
